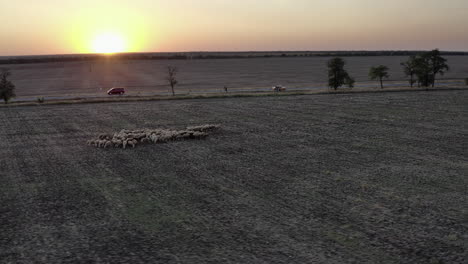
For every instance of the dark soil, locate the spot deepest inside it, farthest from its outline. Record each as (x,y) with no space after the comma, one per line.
(364,178)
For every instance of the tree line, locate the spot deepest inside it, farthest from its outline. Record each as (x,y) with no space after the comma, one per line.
(209,55)
(422,69)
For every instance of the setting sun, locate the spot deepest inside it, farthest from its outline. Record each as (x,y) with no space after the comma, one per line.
(109,43)
(108,30)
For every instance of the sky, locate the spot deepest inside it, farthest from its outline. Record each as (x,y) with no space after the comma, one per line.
(33,27)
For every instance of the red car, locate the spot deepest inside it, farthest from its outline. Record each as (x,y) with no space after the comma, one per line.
(116,90)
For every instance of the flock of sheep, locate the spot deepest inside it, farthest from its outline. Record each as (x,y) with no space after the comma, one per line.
(131,138)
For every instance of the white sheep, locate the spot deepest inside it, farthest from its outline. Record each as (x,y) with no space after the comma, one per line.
(108,144)
(101,143)
(204,128)
(117,143)
(199,135)
(126,138)
(154,138)
(132,143)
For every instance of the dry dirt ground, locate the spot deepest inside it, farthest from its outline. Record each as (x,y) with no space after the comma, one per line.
(364,178)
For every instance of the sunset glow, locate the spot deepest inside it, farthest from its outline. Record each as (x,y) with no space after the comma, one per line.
(107,29)
(109,43)
(108,26)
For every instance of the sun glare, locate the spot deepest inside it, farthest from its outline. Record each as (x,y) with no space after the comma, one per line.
(107,30)
(109,43)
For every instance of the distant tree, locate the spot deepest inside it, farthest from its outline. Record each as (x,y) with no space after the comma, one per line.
(379,72)
(7,88)
(426,66)
(350,81)
(437,63)
(337,75)
(409,68)
(423,70)
(171,77)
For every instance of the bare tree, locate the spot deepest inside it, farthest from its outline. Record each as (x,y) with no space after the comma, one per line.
(171,77)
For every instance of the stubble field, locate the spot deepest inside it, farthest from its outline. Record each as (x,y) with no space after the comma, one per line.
(366,178)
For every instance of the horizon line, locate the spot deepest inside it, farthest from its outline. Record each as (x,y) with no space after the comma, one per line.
(227,51)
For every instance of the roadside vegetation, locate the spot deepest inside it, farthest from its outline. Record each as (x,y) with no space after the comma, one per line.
(422,69)
(337,75)
(7,88)
(409,68)
(425,67)
(171,77)
(379,72)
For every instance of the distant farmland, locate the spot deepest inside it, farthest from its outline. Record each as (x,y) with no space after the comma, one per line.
(147,76)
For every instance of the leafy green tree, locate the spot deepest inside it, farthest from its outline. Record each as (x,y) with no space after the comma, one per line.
(171,77)
(7,88)
(437,63)
(379,72)
(409,67)
(337,75)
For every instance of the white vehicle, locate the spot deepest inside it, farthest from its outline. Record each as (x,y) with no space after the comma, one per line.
(279,88)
